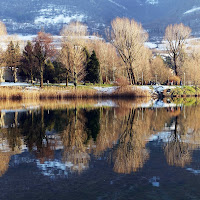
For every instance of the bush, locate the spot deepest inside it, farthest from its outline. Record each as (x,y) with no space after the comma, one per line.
(122,81)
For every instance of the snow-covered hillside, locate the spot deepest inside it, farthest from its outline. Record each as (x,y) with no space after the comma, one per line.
(28,17)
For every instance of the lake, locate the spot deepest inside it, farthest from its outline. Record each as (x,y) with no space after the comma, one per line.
(100,150)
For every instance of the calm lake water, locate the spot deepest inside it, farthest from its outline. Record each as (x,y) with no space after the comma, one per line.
(106,150)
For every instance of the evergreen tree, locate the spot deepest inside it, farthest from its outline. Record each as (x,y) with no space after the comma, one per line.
(168,62)
(13,58)
(92,69)
(60,72)
(28,68)
(49,72)
(92,124)
(40,60)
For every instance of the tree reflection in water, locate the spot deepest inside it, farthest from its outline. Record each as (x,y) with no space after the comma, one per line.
(120,134)
(184,138)
(4,162)
(74,137)
(130,153)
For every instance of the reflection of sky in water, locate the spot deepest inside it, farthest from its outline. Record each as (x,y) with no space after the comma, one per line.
(54,168)
(155,181)
(193,171)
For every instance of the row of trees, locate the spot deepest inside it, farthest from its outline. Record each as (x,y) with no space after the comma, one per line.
(126,59)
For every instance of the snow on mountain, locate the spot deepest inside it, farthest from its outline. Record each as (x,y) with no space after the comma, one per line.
(58,19)
(27,17)
(54,14)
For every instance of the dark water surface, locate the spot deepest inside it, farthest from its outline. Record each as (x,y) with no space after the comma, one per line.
(100,151)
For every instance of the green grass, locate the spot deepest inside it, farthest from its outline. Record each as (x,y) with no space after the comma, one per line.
(185,91)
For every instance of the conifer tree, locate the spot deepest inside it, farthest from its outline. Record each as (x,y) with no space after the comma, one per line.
(49,72)
(28,61)
(13,58)
(92,69)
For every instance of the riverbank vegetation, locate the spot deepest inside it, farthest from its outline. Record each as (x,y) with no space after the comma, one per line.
(185,91)
(61,93)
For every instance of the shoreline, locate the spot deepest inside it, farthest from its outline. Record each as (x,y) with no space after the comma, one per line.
(58,93)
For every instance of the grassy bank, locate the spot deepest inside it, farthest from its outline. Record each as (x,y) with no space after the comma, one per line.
(185,91)
(19,93)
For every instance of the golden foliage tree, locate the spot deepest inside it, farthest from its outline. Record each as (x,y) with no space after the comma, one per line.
(128,37)
(73,54)
(176,36)
(159,70)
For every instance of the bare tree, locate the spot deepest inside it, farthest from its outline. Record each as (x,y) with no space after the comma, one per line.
(73,54)
(108,59)
(128,37)
(190,71)
(159,70)
(143,65)
(176,36)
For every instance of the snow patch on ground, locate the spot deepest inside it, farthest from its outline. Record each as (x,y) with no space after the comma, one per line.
(107,90)
(14,84)
(161,88)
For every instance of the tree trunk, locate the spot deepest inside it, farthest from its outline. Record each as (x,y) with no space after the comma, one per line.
(67,76)
(0,75)
(175,65)
(132,76)
(15,75)
(176,128)
(100,75)
(75,79)
(129,76)
(113,75)
(41,75)
(31,78)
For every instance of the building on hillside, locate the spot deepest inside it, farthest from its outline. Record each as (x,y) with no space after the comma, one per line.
(6,75)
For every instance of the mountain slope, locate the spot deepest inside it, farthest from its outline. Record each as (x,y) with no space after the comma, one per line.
(27,17)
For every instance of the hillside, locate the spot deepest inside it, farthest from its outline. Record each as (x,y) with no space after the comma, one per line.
(27,17)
